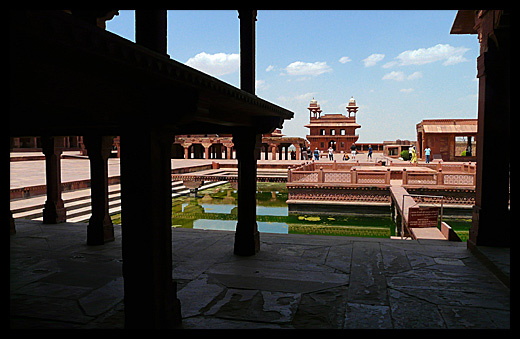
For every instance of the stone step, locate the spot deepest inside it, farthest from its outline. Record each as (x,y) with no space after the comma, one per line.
(78,202)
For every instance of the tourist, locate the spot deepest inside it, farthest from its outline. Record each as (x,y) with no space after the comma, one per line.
(304,153)
(369,152)
(345,157)
(353,149)
(414,155)
(309,153)
(331,153)
(316,154)
(427,152)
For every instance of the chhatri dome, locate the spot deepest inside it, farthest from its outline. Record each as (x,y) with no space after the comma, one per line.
(352,101)
(314,103)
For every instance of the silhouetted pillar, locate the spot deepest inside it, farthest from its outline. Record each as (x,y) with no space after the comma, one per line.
(146,211)
(151,28)
(247,50)
(54,209)
(247,143)
(247,238)
(100,228)
(491,215)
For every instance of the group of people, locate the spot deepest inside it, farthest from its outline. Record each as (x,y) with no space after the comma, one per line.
(413,153)
(307,153)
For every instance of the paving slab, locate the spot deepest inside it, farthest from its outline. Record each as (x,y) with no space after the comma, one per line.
(295,281)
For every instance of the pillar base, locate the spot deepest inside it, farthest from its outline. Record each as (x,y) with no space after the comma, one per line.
(100,234)
(54,213)
(247,244)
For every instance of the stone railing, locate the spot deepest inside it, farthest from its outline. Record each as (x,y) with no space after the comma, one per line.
(439,178)
(331,176)
(447,174)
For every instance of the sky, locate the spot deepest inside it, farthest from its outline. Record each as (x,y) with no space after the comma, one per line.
(400,66)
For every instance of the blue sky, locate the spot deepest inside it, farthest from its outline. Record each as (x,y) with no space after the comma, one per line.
(400,66)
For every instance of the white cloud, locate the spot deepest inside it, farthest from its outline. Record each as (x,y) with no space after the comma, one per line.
(406,90)
(345,59)
(400,76)
(390,64)
(414,75)
(394,75)
(451,55)
(308,68)
(373,59)
(299,98)
(269,68)
(260,85)
(305,97)
(215,64)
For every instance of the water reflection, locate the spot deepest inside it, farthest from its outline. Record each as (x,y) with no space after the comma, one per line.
(229,225)
(217,210)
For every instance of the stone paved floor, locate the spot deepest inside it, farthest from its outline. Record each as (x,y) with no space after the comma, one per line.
(296,281)
(32,173)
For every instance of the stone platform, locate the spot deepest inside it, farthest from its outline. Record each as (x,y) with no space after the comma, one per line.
(295,281)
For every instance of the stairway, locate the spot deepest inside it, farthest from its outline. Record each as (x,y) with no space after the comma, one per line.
(78,202)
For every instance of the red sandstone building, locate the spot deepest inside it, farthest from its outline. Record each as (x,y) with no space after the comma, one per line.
(336,130)
(448,139)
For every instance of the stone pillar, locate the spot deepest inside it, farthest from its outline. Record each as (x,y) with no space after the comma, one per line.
(491,215)
(228,151)
(247,144)
(12,226)
(150,293)
(54,210)
(100,228)
(247,49)
(186,150)
(273,151)
(151,28)
(206,147)
(117,144)
(247,238)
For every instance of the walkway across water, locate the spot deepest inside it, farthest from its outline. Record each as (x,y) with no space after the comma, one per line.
(405,203)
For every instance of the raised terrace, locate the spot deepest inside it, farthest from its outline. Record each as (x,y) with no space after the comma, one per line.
(354,187)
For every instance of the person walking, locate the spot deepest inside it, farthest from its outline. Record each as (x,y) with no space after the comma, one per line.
(353,149)
(414,156)
(427,152)
(304,152)
(369,152)
(331,153)
(309,153)
(316,154)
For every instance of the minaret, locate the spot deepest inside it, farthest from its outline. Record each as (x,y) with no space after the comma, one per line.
(352,108)
(314,109)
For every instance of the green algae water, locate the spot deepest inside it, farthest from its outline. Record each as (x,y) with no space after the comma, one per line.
(216,209)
